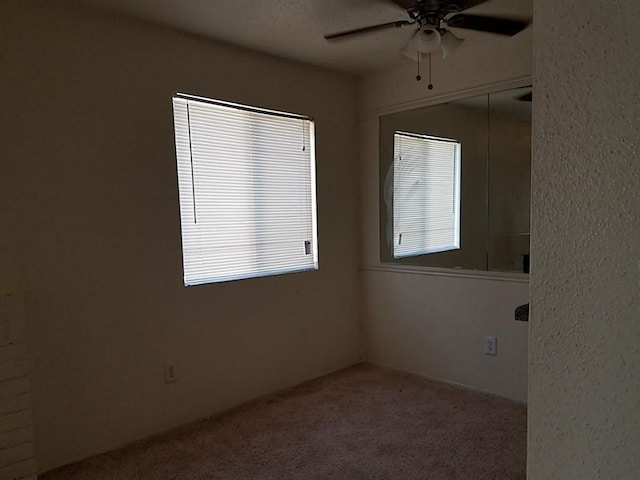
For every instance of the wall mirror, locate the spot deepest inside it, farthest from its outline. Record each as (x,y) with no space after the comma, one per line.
(455,183)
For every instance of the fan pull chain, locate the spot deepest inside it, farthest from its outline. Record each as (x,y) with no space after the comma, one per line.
(418,77)
(430,86)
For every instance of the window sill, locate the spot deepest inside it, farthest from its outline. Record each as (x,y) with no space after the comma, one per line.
(449,272)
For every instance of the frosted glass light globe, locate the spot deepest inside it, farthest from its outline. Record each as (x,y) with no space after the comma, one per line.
(427,40)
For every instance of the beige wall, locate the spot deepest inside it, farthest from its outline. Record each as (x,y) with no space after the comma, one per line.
(435,326)
(584,393)
(90,229)
(421,320)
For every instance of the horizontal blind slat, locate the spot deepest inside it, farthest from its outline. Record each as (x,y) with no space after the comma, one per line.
(246,182)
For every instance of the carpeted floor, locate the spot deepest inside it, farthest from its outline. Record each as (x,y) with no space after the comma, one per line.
(364,422)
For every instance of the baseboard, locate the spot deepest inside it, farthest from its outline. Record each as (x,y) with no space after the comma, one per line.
(448,382)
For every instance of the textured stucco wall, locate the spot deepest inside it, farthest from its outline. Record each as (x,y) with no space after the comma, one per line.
(584,352)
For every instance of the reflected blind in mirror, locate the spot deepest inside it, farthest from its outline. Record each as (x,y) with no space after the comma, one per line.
(426,194)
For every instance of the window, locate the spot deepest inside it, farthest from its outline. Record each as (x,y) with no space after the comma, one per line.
(426,194)
(246,179)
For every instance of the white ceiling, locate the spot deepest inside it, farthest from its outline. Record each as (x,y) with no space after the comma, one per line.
(294,29)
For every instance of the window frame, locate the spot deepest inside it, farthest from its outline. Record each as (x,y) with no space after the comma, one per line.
(305,199)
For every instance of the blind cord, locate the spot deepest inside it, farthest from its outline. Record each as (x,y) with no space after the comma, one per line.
(193,181)
(304,136)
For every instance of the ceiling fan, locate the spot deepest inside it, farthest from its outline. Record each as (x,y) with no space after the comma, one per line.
(432,20)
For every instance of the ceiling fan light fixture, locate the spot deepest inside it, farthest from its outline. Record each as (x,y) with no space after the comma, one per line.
(449,42)
(409,50)
(427,39)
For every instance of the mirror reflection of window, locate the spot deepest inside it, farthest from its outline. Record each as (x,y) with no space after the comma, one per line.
(426,194)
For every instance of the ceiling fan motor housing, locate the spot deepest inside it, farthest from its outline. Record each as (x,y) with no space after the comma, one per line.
(431,12)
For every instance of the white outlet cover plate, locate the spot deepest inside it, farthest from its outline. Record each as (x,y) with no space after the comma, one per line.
(490,345)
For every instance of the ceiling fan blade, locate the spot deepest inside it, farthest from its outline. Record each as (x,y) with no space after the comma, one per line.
(373,28)
(446,5)
(405,4)
(502,26)
(460,5)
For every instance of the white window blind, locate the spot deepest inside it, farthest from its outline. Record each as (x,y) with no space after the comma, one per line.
(246,179)
(426,194)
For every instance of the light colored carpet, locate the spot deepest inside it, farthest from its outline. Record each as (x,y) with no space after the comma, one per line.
(364,422)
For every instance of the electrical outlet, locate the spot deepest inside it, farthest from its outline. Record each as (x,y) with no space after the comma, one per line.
(490,345)
(170,373)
